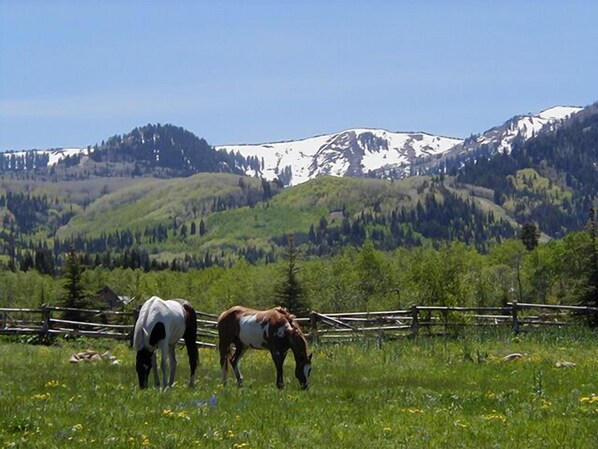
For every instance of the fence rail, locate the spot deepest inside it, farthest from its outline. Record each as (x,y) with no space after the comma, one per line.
(417,320)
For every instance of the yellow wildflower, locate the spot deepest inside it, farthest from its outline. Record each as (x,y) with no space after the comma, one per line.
(494,416)
(592,399)
(41,396)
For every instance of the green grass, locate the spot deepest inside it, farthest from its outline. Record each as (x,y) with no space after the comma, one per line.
(424,393)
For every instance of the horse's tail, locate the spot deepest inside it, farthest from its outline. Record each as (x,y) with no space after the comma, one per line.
(190,336)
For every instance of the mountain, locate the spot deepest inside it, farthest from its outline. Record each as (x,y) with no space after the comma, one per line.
(355,153)
(154,150)
(170,151)
(499,139)
(550,179)
(162,150)
(383,154)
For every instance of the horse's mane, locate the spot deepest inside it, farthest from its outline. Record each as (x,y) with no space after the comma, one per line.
(297,332)
(288,315)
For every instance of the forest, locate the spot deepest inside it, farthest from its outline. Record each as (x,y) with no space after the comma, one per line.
(359,278)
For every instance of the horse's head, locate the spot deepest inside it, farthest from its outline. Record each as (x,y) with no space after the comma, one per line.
(143,366)
(303,371)
(298,344)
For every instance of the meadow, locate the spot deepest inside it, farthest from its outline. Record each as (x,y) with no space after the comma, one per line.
(413,393)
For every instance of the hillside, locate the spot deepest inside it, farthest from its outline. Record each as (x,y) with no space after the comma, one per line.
(163,151)
(550,179)
(138,199)
(210,219)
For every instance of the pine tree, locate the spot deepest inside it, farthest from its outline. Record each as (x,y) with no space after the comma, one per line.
(290,293)
(530,235)
(73,296)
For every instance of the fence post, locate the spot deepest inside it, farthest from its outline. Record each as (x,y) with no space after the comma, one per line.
(415,321)
(313,322)
(445,319)
(515,319)
(47,315)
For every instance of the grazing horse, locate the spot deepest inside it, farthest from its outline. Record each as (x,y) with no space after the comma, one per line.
(160,325)
(273,329)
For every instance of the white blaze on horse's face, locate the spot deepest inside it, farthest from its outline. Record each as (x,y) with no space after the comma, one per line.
(251,331)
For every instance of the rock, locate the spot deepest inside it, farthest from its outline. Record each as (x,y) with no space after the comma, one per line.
(565,364)
(90,355)
(511,357)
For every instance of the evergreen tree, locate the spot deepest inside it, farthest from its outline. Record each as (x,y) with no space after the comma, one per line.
(290,293)
(73,287)
(530,235)
(44,262)
(26,262)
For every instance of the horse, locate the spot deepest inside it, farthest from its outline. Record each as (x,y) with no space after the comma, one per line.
(274,329)
(160,325)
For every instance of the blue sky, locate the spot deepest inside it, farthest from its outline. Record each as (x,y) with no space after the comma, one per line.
(75,73)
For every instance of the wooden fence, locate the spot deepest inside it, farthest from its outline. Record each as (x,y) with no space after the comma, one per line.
(417,320)
(47,321)
(440,320)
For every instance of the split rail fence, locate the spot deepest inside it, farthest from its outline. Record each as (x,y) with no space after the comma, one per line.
(418,320)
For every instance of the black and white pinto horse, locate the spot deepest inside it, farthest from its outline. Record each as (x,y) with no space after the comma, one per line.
(160,325)
(273,329)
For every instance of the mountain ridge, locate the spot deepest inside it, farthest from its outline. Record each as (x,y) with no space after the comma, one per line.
(170,151)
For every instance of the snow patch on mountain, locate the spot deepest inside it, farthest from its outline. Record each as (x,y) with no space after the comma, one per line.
(524,127)
(54,156)
(354,152)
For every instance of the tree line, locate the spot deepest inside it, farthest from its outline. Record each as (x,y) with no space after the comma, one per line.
(358,278)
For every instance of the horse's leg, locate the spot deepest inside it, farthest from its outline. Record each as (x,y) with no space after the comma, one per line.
(155,369)
(224,348)
(164,349)
(173,363)
(239,351)
(278,357)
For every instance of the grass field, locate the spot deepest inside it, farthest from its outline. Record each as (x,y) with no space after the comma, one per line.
(424,393)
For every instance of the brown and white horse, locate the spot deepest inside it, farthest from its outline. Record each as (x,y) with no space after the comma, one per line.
(161,324)
(273,329)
